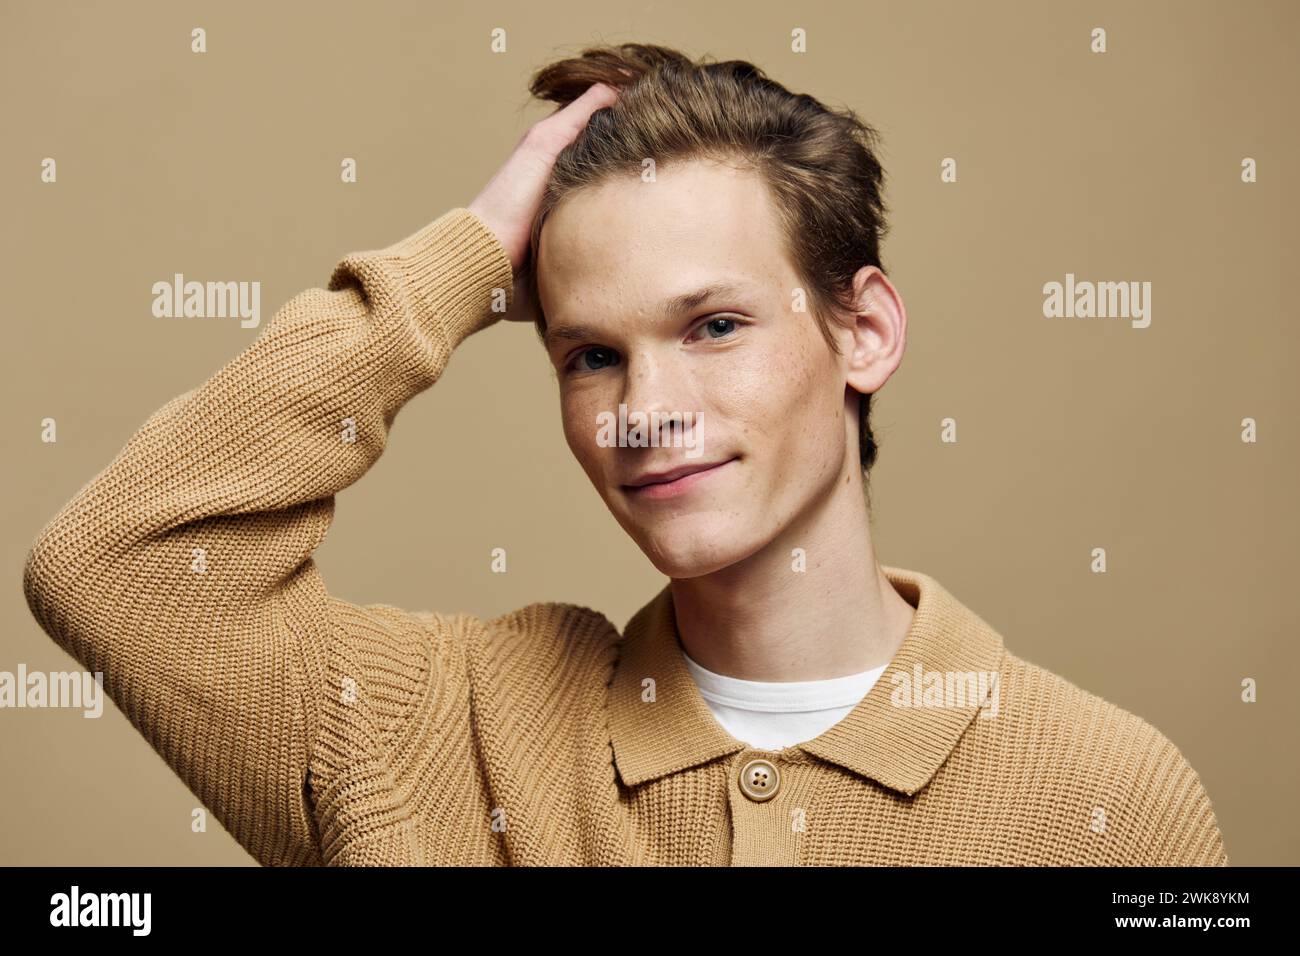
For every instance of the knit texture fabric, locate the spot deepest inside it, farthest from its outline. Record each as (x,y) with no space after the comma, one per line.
(321,732)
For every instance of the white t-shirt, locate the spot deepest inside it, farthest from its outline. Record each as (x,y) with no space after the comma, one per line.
(773,715)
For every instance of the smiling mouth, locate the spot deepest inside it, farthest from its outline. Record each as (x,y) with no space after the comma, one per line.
(676,483)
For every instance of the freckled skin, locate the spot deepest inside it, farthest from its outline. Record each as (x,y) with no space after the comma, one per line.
(769,388)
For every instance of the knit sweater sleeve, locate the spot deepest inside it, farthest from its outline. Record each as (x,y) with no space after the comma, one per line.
(1177,822)
(183,570)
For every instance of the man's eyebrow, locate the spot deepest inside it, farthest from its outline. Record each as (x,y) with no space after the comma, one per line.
(693,300)
(677,304)
(575,333)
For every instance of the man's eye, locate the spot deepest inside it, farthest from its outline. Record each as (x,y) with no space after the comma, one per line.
(719,328)
(603,357)
(597,357)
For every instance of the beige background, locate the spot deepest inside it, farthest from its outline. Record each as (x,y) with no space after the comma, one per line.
(1072,434)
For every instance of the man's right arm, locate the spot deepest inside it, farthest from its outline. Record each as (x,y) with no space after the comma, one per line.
(184,572)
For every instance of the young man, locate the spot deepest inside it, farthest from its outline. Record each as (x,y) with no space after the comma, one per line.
(784,699)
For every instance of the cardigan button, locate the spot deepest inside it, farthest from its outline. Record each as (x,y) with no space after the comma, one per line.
(760,780)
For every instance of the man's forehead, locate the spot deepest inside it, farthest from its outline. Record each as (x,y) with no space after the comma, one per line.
(659,248)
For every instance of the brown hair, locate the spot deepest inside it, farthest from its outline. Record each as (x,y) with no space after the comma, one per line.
(818,163)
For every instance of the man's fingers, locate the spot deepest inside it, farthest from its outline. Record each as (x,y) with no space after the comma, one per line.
(573,117)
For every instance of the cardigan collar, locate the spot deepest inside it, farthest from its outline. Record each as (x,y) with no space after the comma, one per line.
(900,747)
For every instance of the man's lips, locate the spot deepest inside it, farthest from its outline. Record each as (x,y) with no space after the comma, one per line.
(665,484)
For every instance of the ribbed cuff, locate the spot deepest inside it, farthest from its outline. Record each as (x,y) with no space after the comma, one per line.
(456,270)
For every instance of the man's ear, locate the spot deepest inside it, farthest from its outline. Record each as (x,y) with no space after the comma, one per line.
(875,334)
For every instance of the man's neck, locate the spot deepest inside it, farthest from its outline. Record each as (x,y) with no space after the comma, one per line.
(760,619)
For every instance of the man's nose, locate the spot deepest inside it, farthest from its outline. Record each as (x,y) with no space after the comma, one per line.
(663,392)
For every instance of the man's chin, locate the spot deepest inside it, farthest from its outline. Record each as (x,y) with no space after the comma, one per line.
(681,570)
(691,549)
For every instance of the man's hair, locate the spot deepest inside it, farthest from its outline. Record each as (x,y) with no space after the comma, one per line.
(819,164)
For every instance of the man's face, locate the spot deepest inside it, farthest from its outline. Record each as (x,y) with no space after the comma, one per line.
(761,398)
